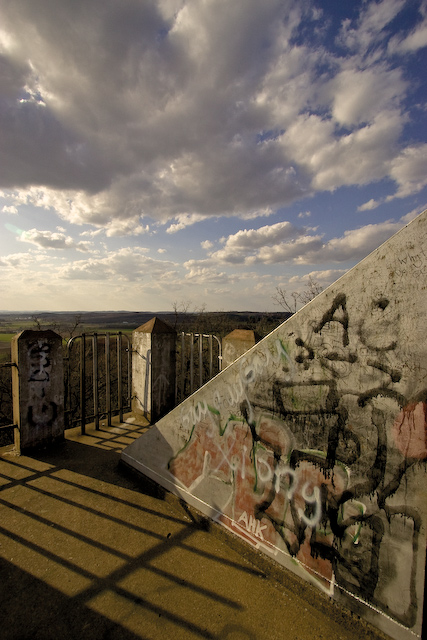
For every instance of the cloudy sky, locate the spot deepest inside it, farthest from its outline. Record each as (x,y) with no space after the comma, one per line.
(160,151)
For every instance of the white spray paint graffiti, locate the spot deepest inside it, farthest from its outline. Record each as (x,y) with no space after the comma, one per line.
(280,475)
(237,393)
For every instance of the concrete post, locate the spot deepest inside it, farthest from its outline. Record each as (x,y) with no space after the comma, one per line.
(37,388)
(153,369)
(236,343)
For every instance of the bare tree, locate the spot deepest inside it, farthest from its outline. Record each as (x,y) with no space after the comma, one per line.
(66,330)
(71,329)
(37,322)
(290,301)
(312,290)
(180,309)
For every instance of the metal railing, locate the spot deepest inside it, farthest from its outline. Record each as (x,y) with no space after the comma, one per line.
(98,375)
(98,371)
(200,359)
(6,430)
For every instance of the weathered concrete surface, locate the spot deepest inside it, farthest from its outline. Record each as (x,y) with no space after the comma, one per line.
(38,388)
(312,446)
(89,551)
(153,369)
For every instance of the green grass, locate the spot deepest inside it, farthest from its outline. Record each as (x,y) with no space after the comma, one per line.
(6,337)
(16,325)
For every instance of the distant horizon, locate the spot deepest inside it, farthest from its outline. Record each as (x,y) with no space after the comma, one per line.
(190,311)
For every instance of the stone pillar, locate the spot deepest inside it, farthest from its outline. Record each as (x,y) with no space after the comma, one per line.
(153,369)
(37,388)
(236,343)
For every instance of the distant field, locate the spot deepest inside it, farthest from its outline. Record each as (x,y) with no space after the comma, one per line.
(6,337)
(219,323)
(15,325)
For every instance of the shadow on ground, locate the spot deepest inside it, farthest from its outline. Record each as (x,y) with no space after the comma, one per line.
(89,550)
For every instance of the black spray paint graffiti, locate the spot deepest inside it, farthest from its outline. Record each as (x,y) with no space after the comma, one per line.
(40,365)
(41,413)
(319,454)
(325,427)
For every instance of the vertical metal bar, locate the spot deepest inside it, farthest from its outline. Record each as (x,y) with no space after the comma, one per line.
(219,353)
(123,397)
(69,414)
(129,373)
(107,379)
(83,383)
(191,362)
(119,375)
(210,357)
(95,380)
(176,375)
(182,365)
(200,359)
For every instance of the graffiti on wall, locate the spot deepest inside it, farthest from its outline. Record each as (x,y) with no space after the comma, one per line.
(312,447)
(42,412)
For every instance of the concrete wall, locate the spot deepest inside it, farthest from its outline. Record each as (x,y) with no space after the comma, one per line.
(312,445)
(153,369)
(37,388)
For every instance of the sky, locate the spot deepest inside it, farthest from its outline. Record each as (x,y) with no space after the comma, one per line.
(201,153)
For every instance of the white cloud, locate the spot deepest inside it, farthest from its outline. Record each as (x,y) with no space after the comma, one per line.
(409,170)
(206,244)
(129,227)
(359,96)
(267,235)
(358,157)
(414,41)
(270,244)
(176,111)
(369,27)
(202,275)
(299,246)
(184,221)
(16,260)
(369,205)
(354,245)
(52,240)
(326,276)
(92,233)
(287,251)
(128,265)
(193,265)
(10,209)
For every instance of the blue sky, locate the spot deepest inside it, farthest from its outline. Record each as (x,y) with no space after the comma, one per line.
(203,152)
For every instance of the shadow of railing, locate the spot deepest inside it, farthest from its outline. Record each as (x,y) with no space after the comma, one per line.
(88,551)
